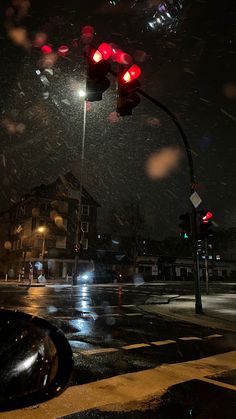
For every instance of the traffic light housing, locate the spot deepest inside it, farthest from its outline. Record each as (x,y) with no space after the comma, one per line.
(98,67)
(205,224)
(76,248)
(114,2)
(185,225)
(127,98)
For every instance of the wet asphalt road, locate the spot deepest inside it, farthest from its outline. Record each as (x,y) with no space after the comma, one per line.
(110,335)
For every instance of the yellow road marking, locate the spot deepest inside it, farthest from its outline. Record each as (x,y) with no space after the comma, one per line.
(214,336)
(190,338)
(135,346)
(163,342)
(97,351)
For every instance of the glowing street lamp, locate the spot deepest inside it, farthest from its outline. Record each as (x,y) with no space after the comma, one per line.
(42,230)
(81,93)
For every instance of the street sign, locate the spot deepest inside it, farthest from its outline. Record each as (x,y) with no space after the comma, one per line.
(195,199)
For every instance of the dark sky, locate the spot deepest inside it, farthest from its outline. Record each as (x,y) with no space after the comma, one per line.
(189,64)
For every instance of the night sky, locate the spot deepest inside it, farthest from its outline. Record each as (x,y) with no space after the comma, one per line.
(188,64)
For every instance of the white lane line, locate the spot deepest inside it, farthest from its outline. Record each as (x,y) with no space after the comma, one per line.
(104,307)
(133,314)
(97,351)
(65,318)
(135,346)
(214,336)
(190,338)
(163,342)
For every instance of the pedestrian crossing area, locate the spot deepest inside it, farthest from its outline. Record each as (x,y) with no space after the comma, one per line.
(141,345)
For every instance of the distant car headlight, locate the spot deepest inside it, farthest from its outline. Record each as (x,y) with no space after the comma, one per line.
(87,276)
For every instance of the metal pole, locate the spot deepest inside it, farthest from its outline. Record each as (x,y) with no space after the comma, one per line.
(43,247)
(78,227)
(43,252)
(198,300)
(206,266)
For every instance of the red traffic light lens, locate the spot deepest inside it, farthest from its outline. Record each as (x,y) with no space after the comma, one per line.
(103,52)
(63,50)
(97,56)
(46,49)
(207,217)
(131,74)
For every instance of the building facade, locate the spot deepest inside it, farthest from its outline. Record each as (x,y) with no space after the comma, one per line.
(44,227)
(181,268)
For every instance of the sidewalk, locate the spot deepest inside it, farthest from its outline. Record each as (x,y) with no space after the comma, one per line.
(132,390)
(219,310)
(34,283)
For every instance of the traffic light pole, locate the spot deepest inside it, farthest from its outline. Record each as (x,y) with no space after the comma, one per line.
(206,266)
(103,53)
(198,299)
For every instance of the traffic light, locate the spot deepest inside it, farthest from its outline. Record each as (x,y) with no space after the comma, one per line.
(98,67)
(127,98)
(114,2)
(185,225)
(205,223)
(76,248)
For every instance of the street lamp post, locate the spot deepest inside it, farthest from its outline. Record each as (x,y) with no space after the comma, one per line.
(43,231)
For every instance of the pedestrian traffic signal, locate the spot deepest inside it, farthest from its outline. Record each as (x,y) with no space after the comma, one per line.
(205,223)
(127,98)
(185,225)
(114,2)
(76,248)
(98,67)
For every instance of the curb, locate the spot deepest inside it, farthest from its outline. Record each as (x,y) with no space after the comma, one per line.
(32,285)
(204,320)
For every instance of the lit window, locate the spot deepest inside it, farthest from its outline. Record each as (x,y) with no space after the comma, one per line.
(85,226)
(99,236)
(217,257)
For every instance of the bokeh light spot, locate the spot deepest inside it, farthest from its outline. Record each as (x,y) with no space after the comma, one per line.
(113,117)
(7,245)
(161,163)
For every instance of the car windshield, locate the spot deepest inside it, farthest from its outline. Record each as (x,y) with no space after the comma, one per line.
(117,203)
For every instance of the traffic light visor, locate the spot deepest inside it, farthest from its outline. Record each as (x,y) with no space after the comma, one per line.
(103,52)
(132,73)
(207,217)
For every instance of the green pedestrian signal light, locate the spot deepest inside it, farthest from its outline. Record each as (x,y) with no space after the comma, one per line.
(185,226)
